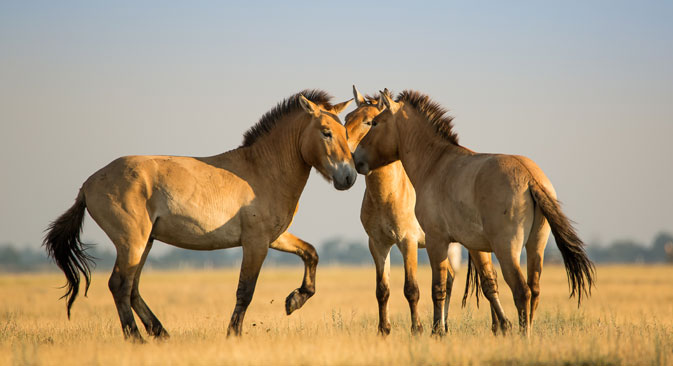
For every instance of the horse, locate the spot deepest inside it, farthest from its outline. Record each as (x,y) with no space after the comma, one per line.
(488,202)
(387,215)
(244,197)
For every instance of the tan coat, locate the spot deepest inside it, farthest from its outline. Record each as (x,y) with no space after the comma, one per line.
(244,197)
(488,202)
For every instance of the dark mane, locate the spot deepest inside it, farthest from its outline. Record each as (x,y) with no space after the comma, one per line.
(286,106)
(432,111)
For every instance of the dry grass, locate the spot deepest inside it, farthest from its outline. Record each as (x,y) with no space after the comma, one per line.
(629,320)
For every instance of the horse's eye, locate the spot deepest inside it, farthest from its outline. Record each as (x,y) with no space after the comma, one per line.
(374,123)
(327,134)
(368,123)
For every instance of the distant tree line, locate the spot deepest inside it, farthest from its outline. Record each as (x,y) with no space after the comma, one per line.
(336,251)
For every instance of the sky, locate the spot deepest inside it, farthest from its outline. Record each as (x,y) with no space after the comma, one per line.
(585,89)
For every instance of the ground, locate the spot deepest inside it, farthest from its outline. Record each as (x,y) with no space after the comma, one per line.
(627,321)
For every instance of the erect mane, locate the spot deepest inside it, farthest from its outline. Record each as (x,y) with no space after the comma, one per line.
(432,111)
(283,108)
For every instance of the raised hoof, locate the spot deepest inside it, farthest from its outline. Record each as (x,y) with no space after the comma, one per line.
(231,332)
(294,301)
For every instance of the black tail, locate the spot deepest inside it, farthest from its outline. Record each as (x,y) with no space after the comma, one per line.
(67,250)
(580,269)
(472,280)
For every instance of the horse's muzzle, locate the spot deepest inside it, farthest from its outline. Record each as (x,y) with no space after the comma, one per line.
(360,159)
(344,176)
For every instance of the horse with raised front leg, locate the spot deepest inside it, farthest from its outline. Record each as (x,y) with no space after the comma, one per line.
(244,197)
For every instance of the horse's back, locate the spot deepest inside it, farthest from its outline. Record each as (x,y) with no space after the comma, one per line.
(503,174)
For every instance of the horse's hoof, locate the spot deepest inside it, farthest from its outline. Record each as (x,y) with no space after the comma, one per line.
(507,327)
(384,330)
(438,333)
(136,339)
(294,301)
(162,335)
(231,332)
(417,329)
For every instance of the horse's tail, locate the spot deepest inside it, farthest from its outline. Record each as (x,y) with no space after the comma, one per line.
(581,271)
(472,281)
(67,250)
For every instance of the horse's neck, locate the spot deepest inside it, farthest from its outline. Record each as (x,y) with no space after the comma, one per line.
(386,182)
(276,159)
(279,153)
(422,149)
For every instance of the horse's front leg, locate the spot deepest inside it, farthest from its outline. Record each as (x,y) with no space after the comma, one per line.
(409,249)
(291,244)
(439,263)
(380,253)
(254,253)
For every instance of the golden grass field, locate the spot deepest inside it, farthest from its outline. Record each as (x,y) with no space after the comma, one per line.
(627,321)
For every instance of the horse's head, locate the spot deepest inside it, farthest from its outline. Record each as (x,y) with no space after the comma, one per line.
(380,145)
(359,121)
(324,145)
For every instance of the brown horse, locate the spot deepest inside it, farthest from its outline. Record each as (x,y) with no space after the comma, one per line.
(387,215)
(487,202)
(244,197)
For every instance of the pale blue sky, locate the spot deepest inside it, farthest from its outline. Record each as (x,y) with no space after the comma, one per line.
(585,89)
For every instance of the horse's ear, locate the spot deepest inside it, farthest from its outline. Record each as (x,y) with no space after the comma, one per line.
(341,106)
(387,101)
(379,103)
(310,107)
(359,99)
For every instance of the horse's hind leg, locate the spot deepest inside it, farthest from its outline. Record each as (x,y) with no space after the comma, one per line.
(439,262)
(517,283)
(489,285)
(450,276)
(409,249)
(537,241)
(454,264)
(152,324)
(380,254)
(253,258)
(291,244)
(129,256)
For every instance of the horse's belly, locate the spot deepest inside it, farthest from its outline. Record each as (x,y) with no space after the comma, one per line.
(188,233)
(452,222)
